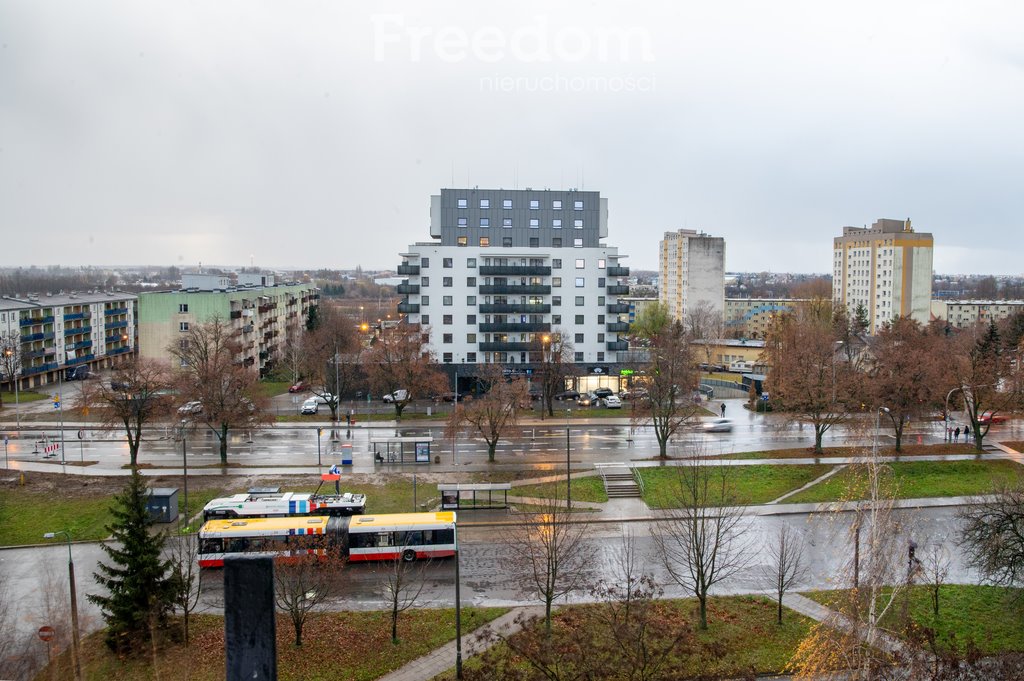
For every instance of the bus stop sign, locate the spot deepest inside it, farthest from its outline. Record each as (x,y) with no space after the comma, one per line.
(46,633)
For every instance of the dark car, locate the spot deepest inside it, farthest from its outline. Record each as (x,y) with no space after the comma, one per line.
(568,395)
(603,392)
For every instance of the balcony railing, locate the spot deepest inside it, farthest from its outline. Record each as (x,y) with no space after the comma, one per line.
(618,308)
(408,269)
(617,271)
(76,315)
(407,288)
(408,308)
(82,344)
(74,331)
(30,321)
(80,360)
(236,314)
(509,327)
(113,339)
(32,354)
(118,351)
(516,289)
(515,270)
(28,371)
(115,311)
(248,328)
(618,327)
(117,325)
(618,346)
(506,346)
(617,290)
(528,308)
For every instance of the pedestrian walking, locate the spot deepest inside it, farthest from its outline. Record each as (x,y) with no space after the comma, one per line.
(723,409)
(967,432)
(956,434)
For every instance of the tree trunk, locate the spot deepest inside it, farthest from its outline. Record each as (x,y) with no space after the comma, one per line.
(978,439)
(224,444)
(703,600)
(780,609)
(398,411)
(547,616)
(899,436)
(298,633)
(394,623)
(491,446)
(818,434)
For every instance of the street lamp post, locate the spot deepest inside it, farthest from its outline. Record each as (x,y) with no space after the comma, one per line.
(182,429)
(458,612)
(319,433)
(568,465)
(75,646)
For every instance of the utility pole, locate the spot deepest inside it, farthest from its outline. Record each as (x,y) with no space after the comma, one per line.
(75,644)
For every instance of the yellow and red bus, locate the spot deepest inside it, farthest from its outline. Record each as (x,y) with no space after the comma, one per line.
(409,536)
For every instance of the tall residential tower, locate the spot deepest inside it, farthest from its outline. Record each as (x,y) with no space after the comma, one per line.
(691,268)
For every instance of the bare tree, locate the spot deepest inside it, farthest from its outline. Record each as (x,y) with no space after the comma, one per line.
(704,325)
(993,533)
(550,554)
(10,359)
(988,381)
(786,564)
(186,577)
(331,357)
(553,362)
(403,582)
(700,542)
(397,361)
(935,569)
(493,415)
(306,579)
(137,394)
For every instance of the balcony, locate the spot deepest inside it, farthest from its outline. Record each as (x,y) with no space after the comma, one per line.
(617,271)
(405,288)
(115,311)
(72,361)
(618,327)
(118,351)
(248,328)
(81,344)
(76,315)
(506,346)
(617,290)
(114,339)
(36,336)
(618,308)
(236,314)
(528,308)
(117,325)
(77,330)
(264,355)
(28,371)
(516,289)
(509,327)
(515,270)
(32,354)
(618,346)
(408,269)
(30,321)
(408,308)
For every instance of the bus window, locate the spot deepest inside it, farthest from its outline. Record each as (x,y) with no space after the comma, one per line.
(385,539)
(240,545)
(444,536)
(211,546)
(413,538)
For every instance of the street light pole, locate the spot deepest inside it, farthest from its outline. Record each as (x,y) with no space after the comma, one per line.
(458,612)
(319,433)
(184,458)
(75,646)
(568,465)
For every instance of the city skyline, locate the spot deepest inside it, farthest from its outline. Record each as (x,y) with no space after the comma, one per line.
(283,136)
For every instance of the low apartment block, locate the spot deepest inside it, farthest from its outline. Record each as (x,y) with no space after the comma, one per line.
(962,314)
(752,317)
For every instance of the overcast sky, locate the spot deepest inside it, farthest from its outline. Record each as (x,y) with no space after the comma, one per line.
(312,134)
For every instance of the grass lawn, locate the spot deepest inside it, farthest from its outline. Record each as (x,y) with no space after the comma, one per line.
(724,376)
(583,489)
(336,646)
(23,396)
(751,484)
(742,627)
(808,452)
(989,616)
(272,388)
(920,479)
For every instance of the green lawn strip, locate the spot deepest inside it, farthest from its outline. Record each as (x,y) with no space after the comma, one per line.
(23,396)
(919,479)
(987,616)
(743,626)
(750,484)
(724,376)
(272,388)
(583,489)
(335,646)
(808,452)
(25,515)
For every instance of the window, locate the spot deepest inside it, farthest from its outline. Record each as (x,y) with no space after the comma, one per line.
(577,205)
(506,241)
(579,319)
(446,358)
(578,338)
(600,356)
(556,242)
(577,224)
(534,223)
(577,243)
(446,300)
(581,263)
(462,241)
(556,281)
(579,301)
(485,223)
(556,205)
(446,338)
(424,263)
(470,281)
(446,263)
(580,282)
(446,282)
(485,242)
(556,319)
(463,222)
(471,319)
(471,338)
(471,357)
(557,224)
(600,282)
(462,203)
(600,263)
(425,319)
(425,300)
(470,300)
(182,307)
(471,263)
(534,205)
(424,281)
(556,300)
(182,326)
(600,300)
(578,357)
(485,203)
(506,204)
(506,223)
(556,264)
(534,242)
(600,319)
(600,338)
(446,319)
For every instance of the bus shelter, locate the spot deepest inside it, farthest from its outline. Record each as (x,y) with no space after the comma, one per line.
(470,495)
(401,449)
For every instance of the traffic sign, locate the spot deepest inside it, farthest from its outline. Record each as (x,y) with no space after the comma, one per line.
(46,633)
(81,434)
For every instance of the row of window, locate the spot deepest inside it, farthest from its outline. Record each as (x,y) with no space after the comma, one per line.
(449,282)
(506,223)
(506,204)
(503,357)
(447,301)
(556,319)
(448,338)
(506,242)
(556,263)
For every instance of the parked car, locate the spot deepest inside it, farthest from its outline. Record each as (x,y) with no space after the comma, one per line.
(191,408)
(536,395)
(447,397)
(310,406)
(588,400)
(704,366)
(400,395)
(325,398)
(299,387)
(80,373)
(989,418)
(612,402)
(637,393)
(568,395)
(718,426)
(603,392)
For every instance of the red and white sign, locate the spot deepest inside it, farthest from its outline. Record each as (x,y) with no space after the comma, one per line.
(46,633)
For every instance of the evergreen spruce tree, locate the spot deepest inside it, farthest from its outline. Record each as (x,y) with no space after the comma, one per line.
(136,580)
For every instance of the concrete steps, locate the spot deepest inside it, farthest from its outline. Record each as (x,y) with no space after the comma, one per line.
(620,485)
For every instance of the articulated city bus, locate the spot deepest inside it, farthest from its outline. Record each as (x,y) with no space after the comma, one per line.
(409,536)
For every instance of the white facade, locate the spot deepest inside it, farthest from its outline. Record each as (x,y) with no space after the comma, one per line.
(962,314)
(691,271)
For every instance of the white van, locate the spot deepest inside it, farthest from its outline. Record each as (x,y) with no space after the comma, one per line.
(742,367)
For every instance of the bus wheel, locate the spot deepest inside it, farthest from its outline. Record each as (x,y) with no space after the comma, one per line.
(408,555)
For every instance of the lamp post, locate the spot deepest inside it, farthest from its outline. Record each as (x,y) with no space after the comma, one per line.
(568,465)
(545,341)
(182,430)
(74,604)
(319,433)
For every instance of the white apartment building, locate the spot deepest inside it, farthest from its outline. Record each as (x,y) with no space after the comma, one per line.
(886,268)
(507,268)
(963,314)
(691,270)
